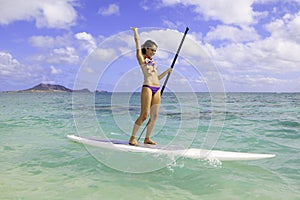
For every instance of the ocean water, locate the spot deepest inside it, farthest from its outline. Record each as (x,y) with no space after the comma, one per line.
(38,161)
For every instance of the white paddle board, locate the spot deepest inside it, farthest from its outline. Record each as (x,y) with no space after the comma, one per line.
(193,153)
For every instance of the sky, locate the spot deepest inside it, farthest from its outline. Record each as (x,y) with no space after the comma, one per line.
(232,45)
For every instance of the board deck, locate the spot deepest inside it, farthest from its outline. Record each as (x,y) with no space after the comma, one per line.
(193,153)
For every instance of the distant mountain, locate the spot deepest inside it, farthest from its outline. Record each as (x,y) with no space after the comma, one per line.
(42,87)
(82,90)
(101,91)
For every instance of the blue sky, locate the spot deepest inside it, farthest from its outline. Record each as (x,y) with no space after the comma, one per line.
(254,45)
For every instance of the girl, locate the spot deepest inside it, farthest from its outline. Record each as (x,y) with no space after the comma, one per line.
(150,96)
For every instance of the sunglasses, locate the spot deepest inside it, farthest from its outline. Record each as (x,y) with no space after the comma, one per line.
(153,50)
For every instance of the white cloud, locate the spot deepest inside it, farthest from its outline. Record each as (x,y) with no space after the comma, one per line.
(50,42)
(272,62)
(7,64)
(13,71)
(283,46)
(87,41)
(173,25)
(85,36)
(288,27)
(112,9)
(105,55)
(59,56)
(268,56)
(55,70)
(62,49)
(229,11)
(260,83)
(42,41)
(272,1)
(66,55)
(17,75)
(46,13)
(233,34)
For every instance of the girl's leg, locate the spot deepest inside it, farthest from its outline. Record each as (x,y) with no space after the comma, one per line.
(146,98)
(155,105)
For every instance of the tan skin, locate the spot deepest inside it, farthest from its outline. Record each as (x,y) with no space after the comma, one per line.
(149,104)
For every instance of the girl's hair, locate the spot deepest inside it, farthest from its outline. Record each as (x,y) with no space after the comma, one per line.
(148,44)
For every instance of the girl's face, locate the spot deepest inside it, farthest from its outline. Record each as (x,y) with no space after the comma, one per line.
(150,51)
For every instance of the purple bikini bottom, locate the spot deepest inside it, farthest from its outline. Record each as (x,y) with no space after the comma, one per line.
(152,88)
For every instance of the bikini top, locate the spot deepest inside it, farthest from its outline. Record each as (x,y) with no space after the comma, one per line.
(150,65)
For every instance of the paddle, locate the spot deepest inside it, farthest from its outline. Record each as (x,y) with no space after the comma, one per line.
(168,76)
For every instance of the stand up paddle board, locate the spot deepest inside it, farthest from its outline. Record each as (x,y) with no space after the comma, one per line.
(193,153)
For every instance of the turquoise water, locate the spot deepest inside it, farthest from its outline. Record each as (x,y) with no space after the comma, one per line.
(39,162)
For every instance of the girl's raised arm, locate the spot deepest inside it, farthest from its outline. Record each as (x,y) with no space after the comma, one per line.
(139,54)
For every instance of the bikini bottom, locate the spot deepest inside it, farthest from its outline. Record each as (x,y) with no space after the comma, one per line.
(152,88)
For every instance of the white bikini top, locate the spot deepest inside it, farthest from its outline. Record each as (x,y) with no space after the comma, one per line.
(150,65)
(150,72)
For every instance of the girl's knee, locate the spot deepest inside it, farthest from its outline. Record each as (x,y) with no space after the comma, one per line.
(141,119)
(154,115)
(154,111)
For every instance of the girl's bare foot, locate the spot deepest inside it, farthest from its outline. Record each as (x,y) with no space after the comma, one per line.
(133,142)
(148,141)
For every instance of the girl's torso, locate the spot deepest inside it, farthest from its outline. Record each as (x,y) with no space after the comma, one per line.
(149,70)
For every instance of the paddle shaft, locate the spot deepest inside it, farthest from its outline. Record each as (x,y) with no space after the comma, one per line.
(174,60)
(168,76)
